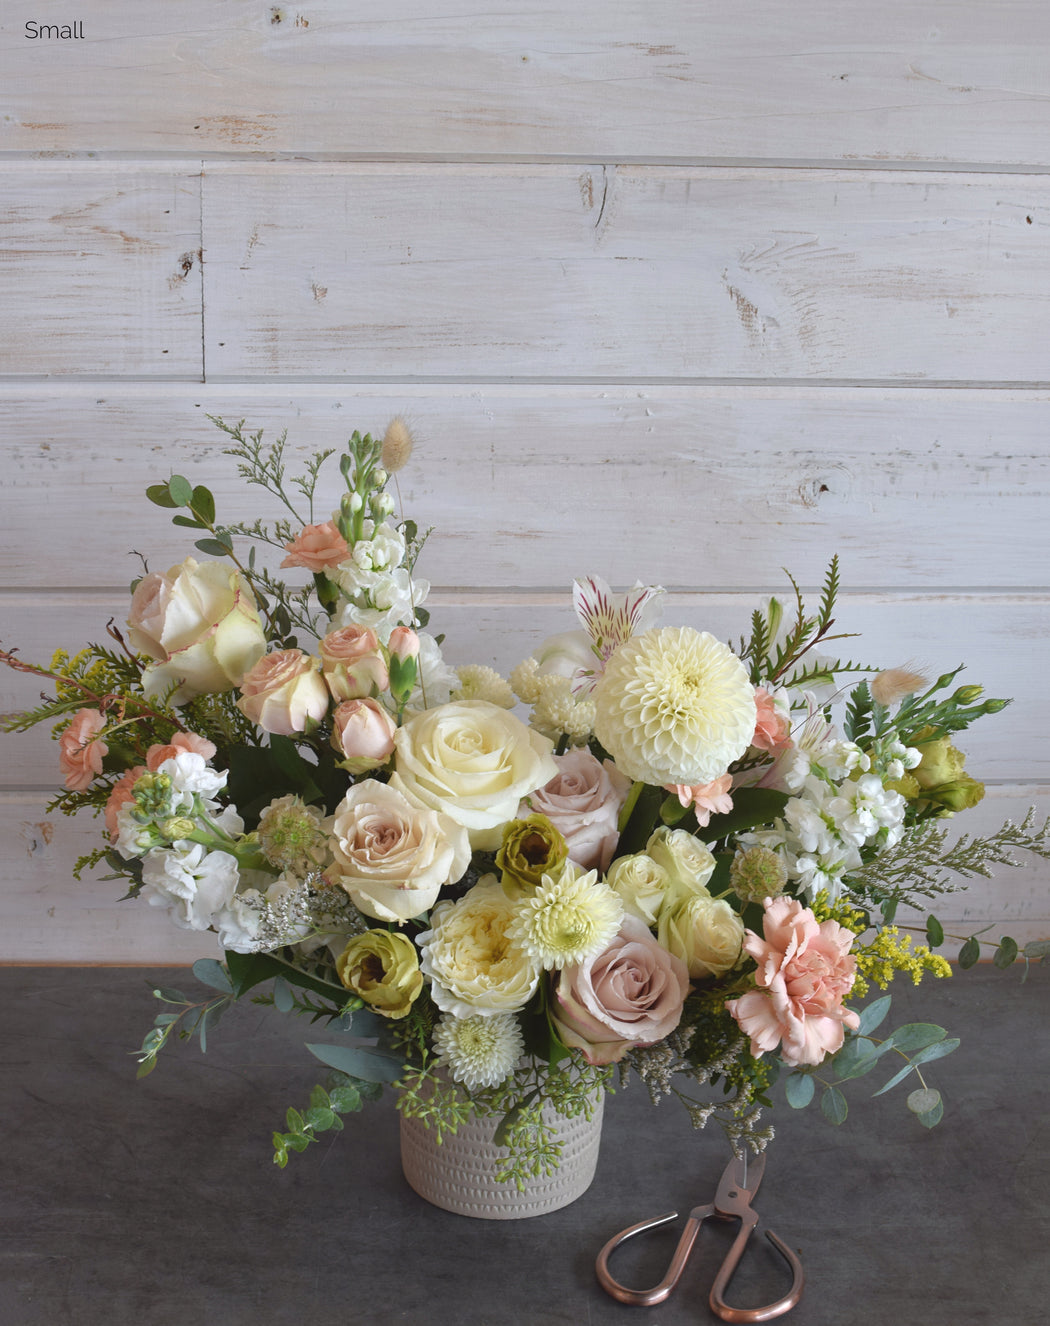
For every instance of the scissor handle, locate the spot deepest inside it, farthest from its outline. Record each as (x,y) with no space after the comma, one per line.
(647,1298)
(722,1309)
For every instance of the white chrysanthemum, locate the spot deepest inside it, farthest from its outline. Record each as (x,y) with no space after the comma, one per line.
(477,682)
(525,682)
(479,1051)
(567,920)
(674,706)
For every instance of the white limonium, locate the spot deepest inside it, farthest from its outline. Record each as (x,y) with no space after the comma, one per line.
(567,920)
(479,1051)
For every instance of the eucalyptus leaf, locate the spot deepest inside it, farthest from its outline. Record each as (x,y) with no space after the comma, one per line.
(180,490)
(897,1077)
(168,995)
(934,932)
(938,1051)
(1006,954)
(932,1117)
(204,504)
(915,1036)
(213,547)
(188,522)
(369,1065)
(923,1100)
(970,953)
(158,494)
(211,973)
(833,1106)
(799,1090)
(874,1014)
(283,999)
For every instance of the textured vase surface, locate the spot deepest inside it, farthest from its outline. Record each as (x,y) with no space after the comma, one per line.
(459,1175)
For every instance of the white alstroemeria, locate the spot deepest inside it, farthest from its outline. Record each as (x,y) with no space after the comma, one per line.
(193,884)
(610,619)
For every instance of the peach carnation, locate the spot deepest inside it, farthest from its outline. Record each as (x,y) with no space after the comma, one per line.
(804,973)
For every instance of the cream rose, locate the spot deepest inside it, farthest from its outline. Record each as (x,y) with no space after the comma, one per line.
(630,994)
(284,693)
(688,862)
(583,801)
(642,885)
(200,625)
(474,762)
(473,967)
(705,933)
(391,856)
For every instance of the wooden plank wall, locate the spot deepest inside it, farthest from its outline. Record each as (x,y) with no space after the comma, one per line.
(680,292)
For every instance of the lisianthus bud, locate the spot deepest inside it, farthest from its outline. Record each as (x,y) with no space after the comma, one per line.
(960,794)
(403,647)
(967,694)
(757,873)
(382,968)
(532,847)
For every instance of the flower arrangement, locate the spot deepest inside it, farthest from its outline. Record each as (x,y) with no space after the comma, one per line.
(678,859)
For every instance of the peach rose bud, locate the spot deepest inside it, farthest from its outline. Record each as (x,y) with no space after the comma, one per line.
(284,693)
(363,733)
(352,663)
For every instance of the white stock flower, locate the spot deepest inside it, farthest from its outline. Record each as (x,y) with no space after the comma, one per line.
(674,706)
(193,884)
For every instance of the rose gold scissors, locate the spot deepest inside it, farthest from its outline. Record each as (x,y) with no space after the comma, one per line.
(737,1187)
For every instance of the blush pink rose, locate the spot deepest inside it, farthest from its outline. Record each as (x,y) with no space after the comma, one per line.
(630,994)
(284,693)
(583,802)
(317,548)
(804,973)
(706,799)
(121,793)
(80,751)
(353,663)
(772,726)
(181,741)
(363,733)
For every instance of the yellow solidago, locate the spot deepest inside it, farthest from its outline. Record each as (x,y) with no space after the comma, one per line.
(889,953)
(842,911)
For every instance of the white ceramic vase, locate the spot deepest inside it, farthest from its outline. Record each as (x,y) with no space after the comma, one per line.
(459,1175)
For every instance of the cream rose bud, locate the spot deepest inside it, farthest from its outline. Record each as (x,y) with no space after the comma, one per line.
(472,761)
(363,733)
(284,693)
(688,862)
(641,884)
(705,933)
(583,801)
(200,624)
(630,994)
(352,663)
(391,856)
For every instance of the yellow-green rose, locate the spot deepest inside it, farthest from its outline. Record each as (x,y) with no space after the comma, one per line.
(532,847)
(382,969)
(705,933)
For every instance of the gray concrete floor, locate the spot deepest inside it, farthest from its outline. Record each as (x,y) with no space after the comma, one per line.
(155,1202)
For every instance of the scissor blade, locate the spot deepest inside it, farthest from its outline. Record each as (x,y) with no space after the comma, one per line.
(741,1176)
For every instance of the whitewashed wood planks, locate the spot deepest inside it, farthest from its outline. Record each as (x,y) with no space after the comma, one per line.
(910,80)
(716,487)
(100,269)
(630,272)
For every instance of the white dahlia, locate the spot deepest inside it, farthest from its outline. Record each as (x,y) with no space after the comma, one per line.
(674,706)
(567,920)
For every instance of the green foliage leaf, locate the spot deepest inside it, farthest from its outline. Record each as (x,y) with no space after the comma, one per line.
(211,973)
(370,1065)
(212,547)
(188,522)
(751,806)
(833,1106)
(158,494)
(799,1090)
(1006,954)
(180,490)
(970,953)
(934,932)
(204,504)
(874,1014)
